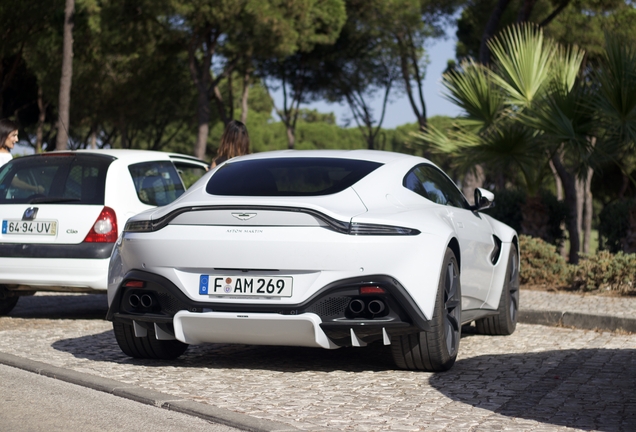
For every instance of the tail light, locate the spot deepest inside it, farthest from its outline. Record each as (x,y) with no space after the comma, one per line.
(104,229)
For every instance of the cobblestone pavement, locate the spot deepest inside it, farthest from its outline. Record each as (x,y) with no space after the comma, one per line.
(604,305)
(539,379)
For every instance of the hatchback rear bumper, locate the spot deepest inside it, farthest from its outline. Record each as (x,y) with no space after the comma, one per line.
(44,274)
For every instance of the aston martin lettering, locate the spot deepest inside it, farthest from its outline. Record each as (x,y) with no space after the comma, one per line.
(265,286)
(244,231)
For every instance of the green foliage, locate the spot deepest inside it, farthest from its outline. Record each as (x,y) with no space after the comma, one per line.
(541,264)
(605,272)
(614,223)
(581,23)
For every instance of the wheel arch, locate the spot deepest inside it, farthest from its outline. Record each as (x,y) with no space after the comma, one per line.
(453,244)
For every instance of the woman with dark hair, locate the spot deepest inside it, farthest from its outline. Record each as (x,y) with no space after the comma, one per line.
(8,138)
(235,141)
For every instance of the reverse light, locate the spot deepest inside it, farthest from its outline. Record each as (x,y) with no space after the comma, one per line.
(138,226)
(372,290)
(104,229)
(373,229)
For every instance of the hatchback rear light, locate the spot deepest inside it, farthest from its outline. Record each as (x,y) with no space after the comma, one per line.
(134,284)
(104,229)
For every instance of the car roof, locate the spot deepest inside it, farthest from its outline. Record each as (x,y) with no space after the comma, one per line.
(368,155)
(128,155)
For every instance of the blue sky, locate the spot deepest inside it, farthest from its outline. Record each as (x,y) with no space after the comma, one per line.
(399,110)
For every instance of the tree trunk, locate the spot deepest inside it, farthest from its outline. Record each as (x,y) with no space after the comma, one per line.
(203,124)
(245,97)
(588,212)
(39,134)
(291,137)
(569,189)
(64,104)
(490,30)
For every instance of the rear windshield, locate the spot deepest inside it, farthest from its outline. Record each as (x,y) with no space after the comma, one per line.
(157,183)
(59,179)
(288,176)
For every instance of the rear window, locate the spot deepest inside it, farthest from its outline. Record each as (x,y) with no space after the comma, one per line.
(288,176)
(60,178)
(157,183)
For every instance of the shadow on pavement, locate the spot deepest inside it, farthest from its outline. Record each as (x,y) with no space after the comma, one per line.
(589,389)
(61,306)
(103,347)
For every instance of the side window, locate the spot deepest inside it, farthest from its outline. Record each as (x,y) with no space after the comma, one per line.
(434,185)
(189,173)
(157,183)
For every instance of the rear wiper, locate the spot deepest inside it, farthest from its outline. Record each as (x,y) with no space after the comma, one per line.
(52,200)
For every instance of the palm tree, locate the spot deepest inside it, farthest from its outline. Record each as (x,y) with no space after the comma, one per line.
(500,127)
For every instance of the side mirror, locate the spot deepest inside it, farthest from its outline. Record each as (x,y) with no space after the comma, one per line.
(483,199)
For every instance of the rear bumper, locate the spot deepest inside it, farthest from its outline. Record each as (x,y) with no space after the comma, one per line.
(60,274)
(251,329)
(323,321)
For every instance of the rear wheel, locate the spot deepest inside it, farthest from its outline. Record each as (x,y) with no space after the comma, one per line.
(8,300)
(505,322)
(435,350)
(147,347)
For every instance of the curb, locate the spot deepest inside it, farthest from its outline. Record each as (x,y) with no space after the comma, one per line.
(148,397)
(578,320)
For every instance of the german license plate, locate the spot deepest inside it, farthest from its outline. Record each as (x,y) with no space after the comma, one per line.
(43,227)
(262,286)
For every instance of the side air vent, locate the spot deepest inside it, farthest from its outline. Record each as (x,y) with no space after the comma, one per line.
(496,252)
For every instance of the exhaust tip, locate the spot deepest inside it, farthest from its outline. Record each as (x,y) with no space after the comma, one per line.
(134,300)
(356,306)
(376,307)
(146,300)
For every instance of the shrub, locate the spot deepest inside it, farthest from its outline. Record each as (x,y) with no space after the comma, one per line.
(614,223)
(606,272)
(541,264)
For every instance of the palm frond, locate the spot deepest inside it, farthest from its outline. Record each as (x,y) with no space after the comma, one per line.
(472,89)
(523,59)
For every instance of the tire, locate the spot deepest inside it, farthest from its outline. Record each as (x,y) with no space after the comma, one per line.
(505,322)
(147,347)
(7,301)
(435,350)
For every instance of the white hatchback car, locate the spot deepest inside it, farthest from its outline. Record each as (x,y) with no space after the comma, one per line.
(61,214)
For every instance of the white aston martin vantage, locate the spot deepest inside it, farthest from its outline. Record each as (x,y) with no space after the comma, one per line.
(319,249)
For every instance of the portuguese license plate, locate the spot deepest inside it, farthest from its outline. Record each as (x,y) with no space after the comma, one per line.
(43,227)
(261,286)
